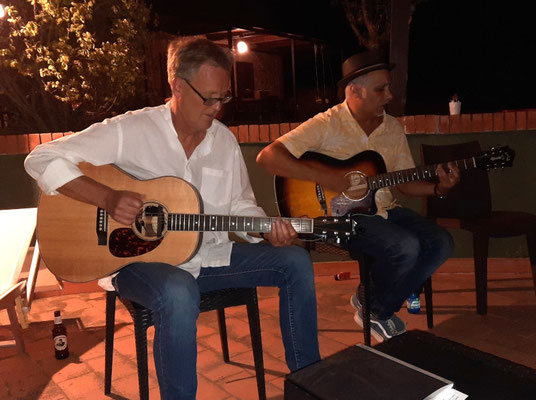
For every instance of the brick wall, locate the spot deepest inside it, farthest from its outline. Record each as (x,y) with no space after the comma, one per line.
(432,124)
(23,144)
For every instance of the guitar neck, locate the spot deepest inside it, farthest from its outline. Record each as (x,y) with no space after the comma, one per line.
(414,174)
(231,223)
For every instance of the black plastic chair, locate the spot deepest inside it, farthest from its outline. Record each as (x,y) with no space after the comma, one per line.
(468,206)
(364,275)
(215,300)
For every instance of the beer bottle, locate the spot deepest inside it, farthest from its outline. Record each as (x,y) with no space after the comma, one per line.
(59,334)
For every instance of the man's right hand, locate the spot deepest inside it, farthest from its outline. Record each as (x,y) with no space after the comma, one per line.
(124,206)
(335,181)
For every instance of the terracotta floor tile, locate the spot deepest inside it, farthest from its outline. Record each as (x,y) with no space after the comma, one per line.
(122,366)
(208,390)
(70,371)
(274,390)
(235,346)
(128,386)
(125,346)
(52,392)
(329,346)
(241,386)
(275,368)
(222,371)
(27,385)
(238,326)
(204,330)
(508,330)
(83,386)
(209,358)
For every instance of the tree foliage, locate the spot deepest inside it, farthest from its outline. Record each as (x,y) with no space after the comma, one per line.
(370,20)
(67,63)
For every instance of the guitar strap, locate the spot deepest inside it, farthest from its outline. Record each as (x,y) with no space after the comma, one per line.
(321,197)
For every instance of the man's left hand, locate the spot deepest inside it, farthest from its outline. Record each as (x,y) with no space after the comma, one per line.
(447,180)
(282,234)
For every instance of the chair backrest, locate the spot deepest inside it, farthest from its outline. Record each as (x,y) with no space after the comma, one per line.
(471,198)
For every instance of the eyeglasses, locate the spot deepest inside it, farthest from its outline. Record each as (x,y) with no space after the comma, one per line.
(212,100)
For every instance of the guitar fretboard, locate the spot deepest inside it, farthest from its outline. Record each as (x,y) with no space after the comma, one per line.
(414,174)
(231,223)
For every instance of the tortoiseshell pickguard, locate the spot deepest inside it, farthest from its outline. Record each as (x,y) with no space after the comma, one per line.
(124,243)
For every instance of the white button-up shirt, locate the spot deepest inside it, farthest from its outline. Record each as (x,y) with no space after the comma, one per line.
(144,143)
(337,134)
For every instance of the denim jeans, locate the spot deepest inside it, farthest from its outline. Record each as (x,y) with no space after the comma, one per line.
(406,248)
(173,295)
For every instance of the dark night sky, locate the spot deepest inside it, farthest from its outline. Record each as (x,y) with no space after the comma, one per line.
(480,49)
(483,50)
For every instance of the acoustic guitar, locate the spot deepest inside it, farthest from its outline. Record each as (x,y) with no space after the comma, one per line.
(80,242)
(366,172)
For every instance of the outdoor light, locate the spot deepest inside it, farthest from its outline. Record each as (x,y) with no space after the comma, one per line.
(242,47)
(2,12)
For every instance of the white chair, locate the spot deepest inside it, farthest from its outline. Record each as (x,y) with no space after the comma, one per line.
(17,228)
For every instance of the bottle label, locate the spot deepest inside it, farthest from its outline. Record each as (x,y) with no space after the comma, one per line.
(60,342)
(414,303)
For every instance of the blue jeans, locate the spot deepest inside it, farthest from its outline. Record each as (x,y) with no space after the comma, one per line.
(173,295)
(406,248)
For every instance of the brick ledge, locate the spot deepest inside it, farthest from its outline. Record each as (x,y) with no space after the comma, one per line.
(524,120)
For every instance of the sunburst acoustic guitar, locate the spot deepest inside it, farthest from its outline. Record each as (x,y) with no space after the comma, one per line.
(80,242)
(367,173)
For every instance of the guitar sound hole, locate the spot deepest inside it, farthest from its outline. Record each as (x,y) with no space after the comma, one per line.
(151,222)
(125,243)
(358,186)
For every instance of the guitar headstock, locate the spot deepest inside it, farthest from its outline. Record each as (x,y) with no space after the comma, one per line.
(496,157)
(338,228)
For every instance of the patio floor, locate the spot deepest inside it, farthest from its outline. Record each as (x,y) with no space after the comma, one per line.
(508,331)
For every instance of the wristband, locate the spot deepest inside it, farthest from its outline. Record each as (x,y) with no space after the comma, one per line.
(437,193)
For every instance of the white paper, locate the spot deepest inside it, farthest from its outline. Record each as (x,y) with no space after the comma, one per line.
(451,394)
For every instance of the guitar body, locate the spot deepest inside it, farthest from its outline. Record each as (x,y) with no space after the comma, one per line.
(67,229)
(367,174)
(296,197)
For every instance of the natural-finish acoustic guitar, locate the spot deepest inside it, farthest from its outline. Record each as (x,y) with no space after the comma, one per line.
(80,242)
(366,172)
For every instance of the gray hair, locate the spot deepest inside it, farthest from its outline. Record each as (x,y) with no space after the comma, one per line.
(360,81)
(186,55)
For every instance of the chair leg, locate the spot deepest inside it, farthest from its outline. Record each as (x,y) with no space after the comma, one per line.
(531,242)
(480,248)
(109,345)
(140,333)
(364,273)
(429,303)
(223,334)
(16,329)
(256,343)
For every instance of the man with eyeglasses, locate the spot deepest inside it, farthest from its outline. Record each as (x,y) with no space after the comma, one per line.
(182,138)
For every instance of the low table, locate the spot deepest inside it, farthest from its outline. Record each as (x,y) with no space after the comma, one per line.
(477,374)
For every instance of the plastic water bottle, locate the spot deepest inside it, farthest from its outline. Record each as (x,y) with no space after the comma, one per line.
(414,303)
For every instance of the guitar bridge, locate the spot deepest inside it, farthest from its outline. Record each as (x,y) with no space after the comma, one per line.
(102,227)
